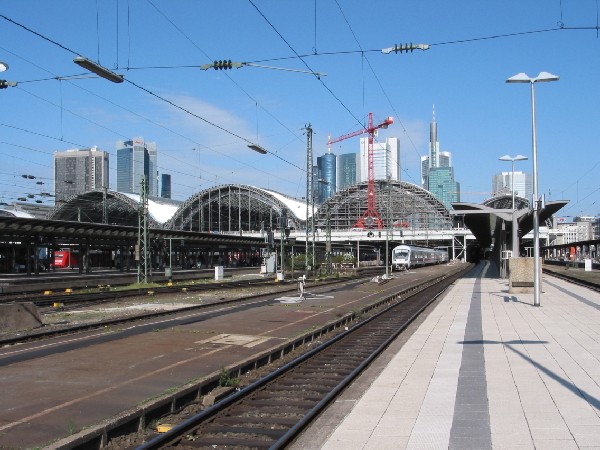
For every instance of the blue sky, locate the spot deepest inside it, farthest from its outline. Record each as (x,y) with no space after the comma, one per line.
(158,46)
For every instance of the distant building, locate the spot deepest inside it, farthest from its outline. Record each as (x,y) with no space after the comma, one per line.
(445,160)
(567,233)
(443,186)
(386,159)
(78,171)
(502,184)
(326,181)
(165,185)
(424,171)
(135,159)
(346,170)
(437,173)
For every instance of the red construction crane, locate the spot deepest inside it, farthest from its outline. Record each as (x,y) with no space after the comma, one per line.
(371,218)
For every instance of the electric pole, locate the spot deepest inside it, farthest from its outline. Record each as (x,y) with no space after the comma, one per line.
(309,196)
(143,235)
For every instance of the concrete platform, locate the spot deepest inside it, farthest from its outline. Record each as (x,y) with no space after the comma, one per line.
(485,369)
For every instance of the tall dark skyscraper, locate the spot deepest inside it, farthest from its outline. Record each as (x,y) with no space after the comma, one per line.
(346,171)
(78,171)
(136,158)
(326,167)
(165,185)
(437,173)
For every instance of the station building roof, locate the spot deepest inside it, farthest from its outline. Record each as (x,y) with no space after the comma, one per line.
(407,205)
(121,208)
(484,219)
(27,231)
(235,208)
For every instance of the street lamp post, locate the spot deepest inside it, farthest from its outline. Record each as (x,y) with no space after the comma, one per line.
(387,228)
(515,235)
(3,83)
(524,78)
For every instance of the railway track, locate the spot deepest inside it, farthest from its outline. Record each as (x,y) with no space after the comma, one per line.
(107,295)
(571,279)
(272,411)
(101,297)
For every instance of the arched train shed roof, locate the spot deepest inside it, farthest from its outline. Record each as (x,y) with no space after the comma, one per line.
(235,207)
(122,209)
(504,201)
(411,207)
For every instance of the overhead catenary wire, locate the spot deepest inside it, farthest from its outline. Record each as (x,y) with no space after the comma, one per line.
(148,91)
(151,93)
(445,43)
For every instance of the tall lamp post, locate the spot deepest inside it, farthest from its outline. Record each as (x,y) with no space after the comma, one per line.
(3,83)
(515,235)
(524,78)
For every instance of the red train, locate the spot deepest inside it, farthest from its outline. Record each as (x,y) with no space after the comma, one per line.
(64,259)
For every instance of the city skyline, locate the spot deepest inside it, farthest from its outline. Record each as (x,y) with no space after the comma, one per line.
(336,71)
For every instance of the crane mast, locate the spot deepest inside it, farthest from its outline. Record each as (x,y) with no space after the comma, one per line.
(371,217)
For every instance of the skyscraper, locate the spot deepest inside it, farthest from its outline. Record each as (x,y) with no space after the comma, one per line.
(502,183)
(386,159)
(443,186)
(445,160)
(437,173)
(326,167)
(345,171)
(78,171)
(136,158)
(165,185)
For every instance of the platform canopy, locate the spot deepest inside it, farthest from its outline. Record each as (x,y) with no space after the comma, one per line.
(484,220)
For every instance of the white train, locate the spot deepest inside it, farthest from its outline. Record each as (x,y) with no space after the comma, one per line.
(405,257)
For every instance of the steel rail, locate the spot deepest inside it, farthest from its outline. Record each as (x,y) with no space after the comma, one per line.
(45,334)
(269,436)
(574,280)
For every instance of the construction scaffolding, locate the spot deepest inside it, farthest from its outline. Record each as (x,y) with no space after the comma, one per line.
(410,206)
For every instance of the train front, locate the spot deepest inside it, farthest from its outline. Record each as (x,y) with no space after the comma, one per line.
(401,258)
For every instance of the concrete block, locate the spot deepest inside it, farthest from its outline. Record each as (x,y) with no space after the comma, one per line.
(19,316)
(217,395)
(520,278)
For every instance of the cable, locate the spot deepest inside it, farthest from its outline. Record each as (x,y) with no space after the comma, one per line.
(364,58)
(304,62)
(147,91)
(191,41)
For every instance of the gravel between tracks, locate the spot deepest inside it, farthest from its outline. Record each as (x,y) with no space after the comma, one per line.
(131,307)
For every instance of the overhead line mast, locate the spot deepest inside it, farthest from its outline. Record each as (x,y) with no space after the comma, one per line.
(371,217)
